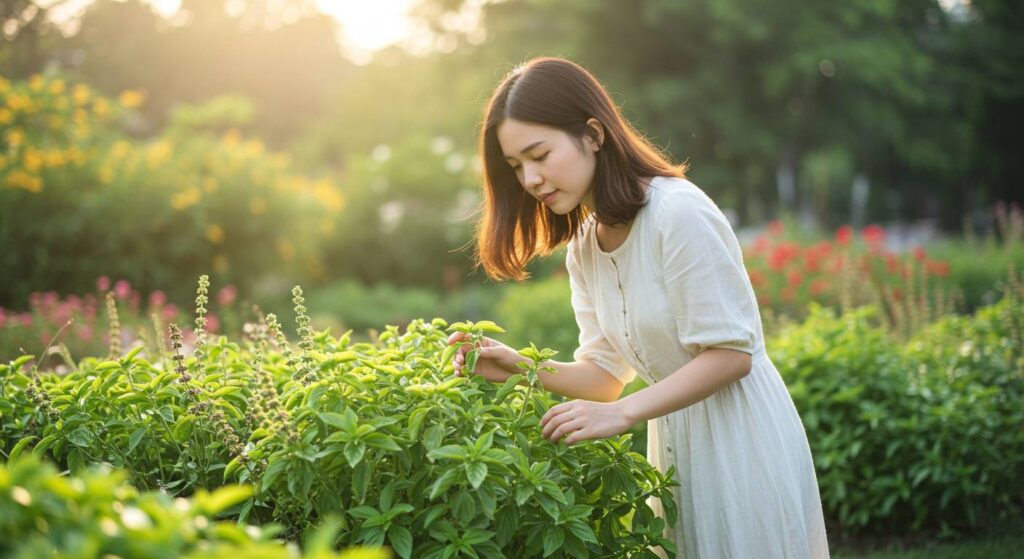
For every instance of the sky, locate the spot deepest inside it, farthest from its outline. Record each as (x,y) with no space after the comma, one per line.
(366,25)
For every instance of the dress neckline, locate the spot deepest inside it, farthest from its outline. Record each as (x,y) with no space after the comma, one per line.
(632,230)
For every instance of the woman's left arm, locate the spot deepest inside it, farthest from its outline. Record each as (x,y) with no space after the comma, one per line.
(583,420)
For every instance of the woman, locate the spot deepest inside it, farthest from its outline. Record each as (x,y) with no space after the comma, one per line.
(658,289)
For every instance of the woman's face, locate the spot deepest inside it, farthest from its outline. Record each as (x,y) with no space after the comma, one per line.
(549,164)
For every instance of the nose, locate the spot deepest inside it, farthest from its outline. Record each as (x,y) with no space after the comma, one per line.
(532,178)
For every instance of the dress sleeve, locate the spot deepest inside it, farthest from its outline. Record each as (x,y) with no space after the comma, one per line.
(594,347)
(708,288)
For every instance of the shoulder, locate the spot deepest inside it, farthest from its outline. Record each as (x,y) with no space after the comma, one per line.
(674,200)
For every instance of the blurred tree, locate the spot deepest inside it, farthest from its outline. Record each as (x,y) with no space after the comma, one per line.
(283,55)
(29,38)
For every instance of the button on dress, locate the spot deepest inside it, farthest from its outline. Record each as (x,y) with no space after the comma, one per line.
(675,287)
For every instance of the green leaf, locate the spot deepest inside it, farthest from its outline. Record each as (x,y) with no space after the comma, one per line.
(354,451)
(401,540)
(135,438)
(443,483)
(16,451)
(224,497)
(382,441)
(553,538)
(476,473)
(488,326)
(363,512)
(449,452)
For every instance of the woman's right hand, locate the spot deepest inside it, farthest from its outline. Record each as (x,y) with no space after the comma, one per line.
(496,361)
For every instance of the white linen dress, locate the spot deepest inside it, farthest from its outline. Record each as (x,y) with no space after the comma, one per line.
(676,286)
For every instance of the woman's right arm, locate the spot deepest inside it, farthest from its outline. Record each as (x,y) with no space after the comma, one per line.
(582,380)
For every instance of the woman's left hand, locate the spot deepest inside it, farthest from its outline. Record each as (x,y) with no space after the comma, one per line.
(583,420)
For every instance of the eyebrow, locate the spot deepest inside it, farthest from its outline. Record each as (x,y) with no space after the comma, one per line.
(526,149)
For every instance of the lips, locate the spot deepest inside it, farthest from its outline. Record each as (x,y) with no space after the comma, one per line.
(547,198)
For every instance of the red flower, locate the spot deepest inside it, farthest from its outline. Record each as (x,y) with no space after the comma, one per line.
(873,235)
(937,268)
(844,234)
(102,283)
(919,253)
(795,279)
(818,286)
(756,278)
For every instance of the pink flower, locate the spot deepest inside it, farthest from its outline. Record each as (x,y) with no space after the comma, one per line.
(170,312)
(84,332)
(212,323)
(226,295)
(102,284)
(157,298)
(122,289)
(26,319)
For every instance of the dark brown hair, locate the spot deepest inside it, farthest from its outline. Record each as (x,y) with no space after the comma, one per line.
(561,94)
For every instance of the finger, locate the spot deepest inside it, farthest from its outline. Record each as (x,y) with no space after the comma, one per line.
(578,436)
(555,410)
(456,336)
(566,428)
(557,421)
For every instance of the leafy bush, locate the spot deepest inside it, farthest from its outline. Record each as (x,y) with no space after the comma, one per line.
(911,436)
(416,459)
(81,200)
(98,514)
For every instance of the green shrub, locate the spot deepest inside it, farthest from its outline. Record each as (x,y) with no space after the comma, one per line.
(415,458)
(98,514)
(910,437)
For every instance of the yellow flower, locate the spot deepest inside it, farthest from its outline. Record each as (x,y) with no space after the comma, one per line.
(55,158)
(257,206)
(189,197)
(253,148)
(36,82)
(18,102)
(15,137)
(210,184)
(215,234)
(21,179)
(75,154)
(6,116)
(120,149)
(158,154)
(79,117)
(4,84)
(57,87)
(131,98)
(33,160)
(231,137)
(329,196)
(80,94)
(106,175)
(101,108)
(285,250)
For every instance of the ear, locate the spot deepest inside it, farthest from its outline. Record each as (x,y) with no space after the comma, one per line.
(594,134)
